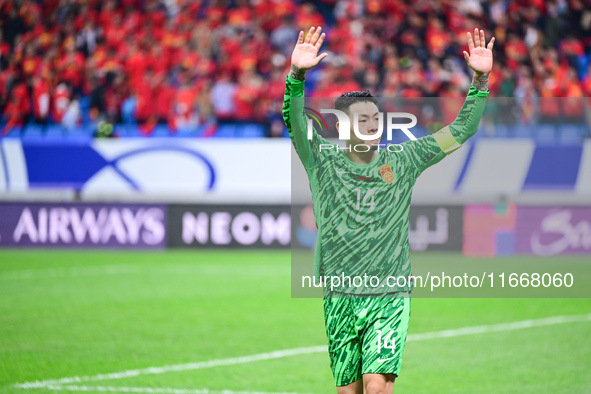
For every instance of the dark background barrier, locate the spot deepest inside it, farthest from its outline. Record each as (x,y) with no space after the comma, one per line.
(436,228)
(229,226)
(477,230)
(83,225)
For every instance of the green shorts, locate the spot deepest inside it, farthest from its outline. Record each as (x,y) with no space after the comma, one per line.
(365,335)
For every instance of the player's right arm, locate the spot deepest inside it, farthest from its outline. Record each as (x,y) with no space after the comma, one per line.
(304,57)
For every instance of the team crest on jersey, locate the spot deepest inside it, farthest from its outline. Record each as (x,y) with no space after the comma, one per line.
(387,174)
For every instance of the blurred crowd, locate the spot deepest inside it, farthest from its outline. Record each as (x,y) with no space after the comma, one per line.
(185,63)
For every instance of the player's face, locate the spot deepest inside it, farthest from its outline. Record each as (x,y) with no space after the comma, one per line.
(368,121)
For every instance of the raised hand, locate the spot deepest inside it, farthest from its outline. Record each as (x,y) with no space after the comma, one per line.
(305,54)
(480,58)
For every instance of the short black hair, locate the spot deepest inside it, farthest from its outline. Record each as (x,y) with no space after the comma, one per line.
(343,102)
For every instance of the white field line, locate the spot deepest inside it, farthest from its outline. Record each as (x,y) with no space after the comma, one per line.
(499,327)
(306,350)
(175,368)
(150,390)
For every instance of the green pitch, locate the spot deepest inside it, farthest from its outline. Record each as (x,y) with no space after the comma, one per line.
(68,314)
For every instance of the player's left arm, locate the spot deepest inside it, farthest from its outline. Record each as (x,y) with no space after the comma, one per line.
(429,150)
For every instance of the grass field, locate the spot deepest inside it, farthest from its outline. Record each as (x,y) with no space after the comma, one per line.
(91,316)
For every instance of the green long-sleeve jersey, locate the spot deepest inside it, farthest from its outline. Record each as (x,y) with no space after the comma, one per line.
(362,210)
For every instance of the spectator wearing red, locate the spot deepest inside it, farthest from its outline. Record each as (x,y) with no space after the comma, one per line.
(44,34)
(215,13)
(240,16)
(112,63)
(41,99)
(136,64)
(86,16)
(164,96)
(17,108)
(4,51)
(144,93)
(270,12)
(71,65)
(572,105)
(106,19)
(30,12)
(307,15)
(247,96)
(31,61)
(516,52)
(185,114)
(61,99)
(436,38)
(132,19)
(156,60)
(155,12)
(572,49)
(172,40)
(187,58)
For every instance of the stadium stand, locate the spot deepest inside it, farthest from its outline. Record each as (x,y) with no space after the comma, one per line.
(216,68)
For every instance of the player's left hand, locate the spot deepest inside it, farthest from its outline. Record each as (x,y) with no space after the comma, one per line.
(480,58)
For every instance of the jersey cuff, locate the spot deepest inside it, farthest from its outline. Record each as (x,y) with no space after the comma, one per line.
(473,92)
(294,81)
(294,86)
(446,140)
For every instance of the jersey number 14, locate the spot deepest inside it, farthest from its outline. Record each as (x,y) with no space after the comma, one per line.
(366,200)
(384,343)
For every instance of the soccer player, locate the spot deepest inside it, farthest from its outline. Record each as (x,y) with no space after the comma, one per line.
(361,199)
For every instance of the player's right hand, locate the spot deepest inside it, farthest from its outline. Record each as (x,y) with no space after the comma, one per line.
(305,54)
